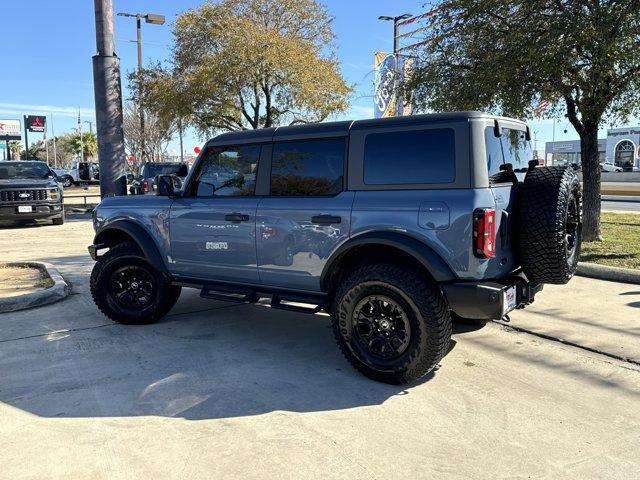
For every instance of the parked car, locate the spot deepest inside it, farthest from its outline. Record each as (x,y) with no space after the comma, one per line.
(30,190)
(609,167)
(80,173)
(393,226)
(146,184)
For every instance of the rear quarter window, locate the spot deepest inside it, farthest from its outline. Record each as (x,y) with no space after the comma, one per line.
(511,147)
(410,157)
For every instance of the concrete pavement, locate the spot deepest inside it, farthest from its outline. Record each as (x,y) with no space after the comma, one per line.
(242,391)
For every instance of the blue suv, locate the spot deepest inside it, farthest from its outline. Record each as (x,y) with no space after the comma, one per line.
(393,226)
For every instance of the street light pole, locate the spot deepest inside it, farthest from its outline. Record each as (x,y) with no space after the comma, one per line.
(396,24)
(154,19)
(108,100)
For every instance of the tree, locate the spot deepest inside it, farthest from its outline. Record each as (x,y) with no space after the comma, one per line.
(16,147)
(245,64)
(85,144)
(506,56)
(157,134)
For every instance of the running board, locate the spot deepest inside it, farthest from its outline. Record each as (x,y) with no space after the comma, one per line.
(237,295)
(276,302)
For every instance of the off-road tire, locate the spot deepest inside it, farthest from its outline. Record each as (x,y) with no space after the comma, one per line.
(59,220)
(67,181)
(128,254)
(546,197)
(426,310)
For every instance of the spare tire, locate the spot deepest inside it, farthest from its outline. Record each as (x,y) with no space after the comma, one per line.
(550,224)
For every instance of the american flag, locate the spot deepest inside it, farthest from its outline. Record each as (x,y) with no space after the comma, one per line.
(541,107)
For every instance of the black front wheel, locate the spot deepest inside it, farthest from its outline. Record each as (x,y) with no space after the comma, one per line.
(128,289)
(390,323)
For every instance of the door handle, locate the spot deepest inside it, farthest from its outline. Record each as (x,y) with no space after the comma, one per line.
(236,217)
(325,219)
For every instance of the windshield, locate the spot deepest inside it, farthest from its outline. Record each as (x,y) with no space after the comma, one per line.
(154,169)
(19,170)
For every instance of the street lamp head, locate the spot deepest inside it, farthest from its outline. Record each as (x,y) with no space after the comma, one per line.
(154,18)
(384,17)
(404,16)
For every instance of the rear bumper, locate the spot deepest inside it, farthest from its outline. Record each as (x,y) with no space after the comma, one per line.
(10,212)
(490,300)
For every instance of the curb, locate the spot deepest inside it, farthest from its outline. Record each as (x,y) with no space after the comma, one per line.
(612,274)
(58,291)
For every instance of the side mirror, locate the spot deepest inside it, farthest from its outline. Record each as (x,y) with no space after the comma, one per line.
(168,185)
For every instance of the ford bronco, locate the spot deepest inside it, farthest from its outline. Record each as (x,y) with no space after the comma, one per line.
(393,226)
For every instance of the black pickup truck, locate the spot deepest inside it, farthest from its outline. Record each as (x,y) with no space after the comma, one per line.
(29,190)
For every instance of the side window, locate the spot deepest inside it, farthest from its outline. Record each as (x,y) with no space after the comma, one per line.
(308,167)
(415,156)
(228,171)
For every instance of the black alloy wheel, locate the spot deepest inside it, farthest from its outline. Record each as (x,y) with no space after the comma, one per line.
(381,327)
(132,287)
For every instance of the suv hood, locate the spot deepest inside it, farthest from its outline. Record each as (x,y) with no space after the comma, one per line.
(27,183)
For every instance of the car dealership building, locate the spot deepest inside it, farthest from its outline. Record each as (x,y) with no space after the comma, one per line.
(621,147)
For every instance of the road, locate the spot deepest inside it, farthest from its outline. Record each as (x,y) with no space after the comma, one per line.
(613,203)
(242,391)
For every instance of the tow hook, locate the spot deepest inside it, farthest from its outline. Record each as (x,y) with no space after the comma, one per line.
(506,318)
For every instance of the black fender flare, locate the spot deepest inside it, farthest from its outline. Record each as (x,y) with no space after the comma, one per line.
(428,258)
(140,236)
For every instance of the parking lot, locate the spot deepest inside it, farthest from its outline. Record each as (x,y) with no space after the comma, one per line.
(242,391)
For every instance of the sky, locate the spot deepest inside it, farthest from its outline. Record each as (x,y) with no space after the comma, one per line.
(48,46)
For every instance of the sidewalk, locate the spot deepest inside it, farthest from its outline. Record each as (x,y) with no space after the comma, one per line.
(604,316)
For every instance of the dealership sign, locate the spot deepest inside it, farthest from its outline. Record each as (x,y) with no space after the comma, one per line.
(390,72)
(9,129)
(35,123)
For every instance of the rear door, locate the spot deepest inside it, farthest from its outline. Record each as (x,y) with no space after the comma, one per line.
(511,147)
(213,224)
(306,214)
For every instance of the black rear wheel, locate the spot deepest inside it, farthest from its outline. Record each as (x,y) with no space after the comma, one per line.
(390,323)
(128,289)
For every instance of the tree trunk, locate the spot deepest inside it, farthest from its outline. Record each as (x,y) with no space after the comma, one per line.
(590,182)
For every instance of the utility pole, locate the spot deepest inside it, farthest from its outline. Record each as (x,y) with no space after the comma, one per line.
(108,99)
(90,125)
(154,19)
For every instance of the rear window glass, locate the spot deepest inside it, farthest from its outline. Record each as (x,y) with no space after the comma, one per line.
(154,169)
(512,147)
(416,156)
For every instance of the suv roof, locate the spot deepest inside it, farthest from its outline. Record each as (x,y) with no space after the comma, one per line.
(342,128)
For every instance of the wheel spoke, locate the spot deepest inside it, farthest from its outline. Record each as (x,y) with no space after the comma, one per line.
(381,327)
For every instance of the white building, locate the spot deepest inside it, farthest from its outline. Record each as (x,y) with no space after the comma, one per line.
(621,147)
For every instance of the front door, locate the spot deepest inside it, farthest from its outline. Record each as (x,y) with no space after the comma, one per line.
(307,214)
(213,226)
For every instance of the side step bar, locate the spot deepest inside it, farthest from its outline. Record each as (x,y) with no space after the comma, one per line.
(237,294)
(276,302)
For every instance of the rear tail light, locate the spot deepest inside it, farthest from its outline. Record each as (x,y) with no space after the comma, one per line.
(145,186)
(484,232)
